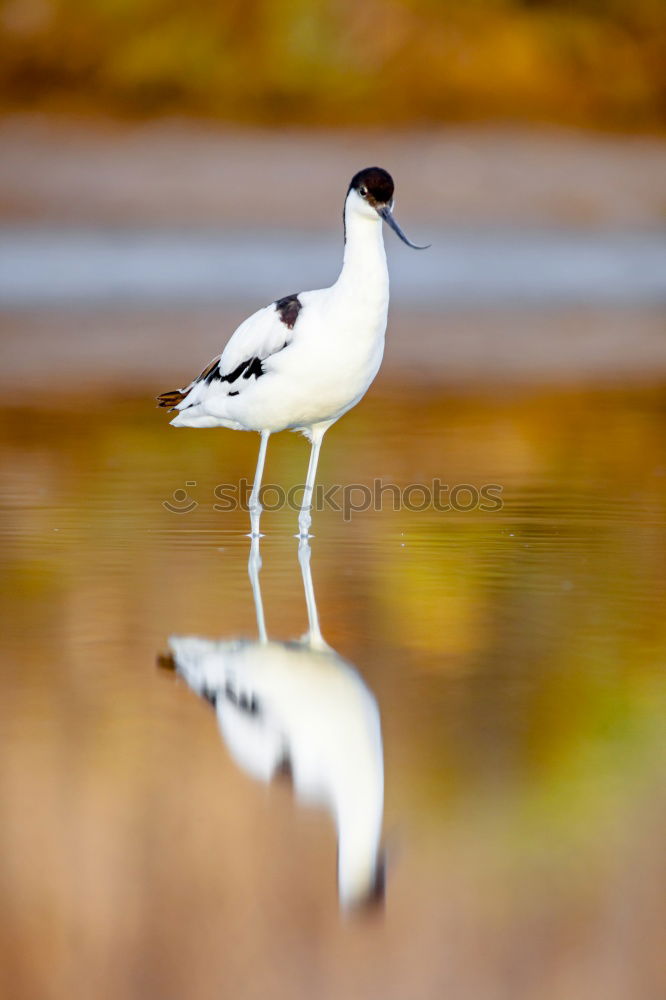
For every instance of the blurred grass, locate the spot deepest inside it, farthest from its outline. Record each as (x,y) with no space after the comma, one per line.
(594,62)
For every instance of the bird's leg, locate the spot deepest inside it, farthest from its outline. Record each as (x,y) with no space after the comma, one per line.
(253,567)
(255,505)
(314,636)
(304,518)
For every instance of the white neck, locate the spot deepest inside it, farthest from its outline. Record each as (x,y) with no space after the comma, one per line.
(364,264)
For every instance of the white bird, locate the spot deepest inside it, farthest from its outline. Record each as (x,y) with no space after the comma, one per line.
(299,707)
(301,362)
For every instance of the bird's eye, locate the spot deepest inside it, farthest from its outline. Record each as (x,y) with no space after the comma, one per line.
(363,191)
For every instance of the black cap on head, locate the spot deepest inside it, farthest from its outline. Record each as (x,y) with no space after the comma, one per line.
(373,184)
(376,187)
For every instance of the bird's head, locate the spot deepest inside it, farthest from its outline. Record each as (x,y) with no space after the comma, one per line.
(370,194)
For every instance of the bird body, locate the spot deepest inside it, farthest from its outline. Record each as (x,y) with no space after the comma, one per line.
(303,361)
(299,707)
(314,370)
(285,706)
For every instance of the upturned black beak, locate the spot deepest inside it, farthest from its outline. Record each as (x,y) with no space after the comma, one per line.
(387,216)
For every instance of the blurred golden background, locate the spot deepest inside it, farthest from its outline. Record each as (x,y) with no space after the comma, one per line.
(167,168)
(599,62)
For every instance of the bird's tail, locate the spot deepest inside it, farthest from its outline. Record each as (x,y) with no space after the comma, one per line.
(166,661)
(172,398)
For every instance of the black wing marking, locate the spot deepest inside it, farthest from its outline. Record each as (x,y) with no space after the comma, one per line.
(213,373)
(241,701)
(289,307)
(253,367)
(175,396)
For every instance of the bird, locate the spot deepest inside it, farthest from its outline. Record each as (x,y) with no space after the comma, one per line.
(298,708)
(303,361)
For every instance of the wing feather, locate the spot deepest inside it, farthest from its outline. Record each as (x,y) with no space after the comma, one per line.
(261,335)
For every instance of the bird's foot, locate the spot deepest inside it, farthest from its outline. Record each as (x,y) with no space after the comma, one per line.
(255,518)
(304,523)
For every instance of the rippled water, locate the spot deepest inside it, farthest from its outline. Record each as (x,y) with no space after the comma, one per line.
(516,657)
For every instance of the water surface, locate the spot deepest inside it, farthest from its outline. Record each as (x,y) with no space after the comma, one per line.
(516,656)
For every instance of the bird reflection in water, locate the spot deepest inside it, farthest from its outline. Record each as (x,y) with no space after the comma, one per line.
(299,708)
